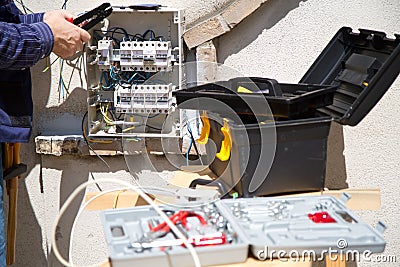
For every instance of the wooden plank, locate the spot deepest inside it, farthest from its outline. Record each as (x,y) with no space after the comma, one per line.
(122,200)
(361,199)
(251,262)
(339,262)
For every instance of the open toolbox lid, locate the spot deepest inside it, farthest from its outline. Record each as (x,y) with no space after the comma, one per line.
(362,65)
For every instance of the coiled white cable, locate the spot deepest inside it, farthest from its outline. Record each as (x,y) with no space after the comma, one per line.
(141,194)
(81,210)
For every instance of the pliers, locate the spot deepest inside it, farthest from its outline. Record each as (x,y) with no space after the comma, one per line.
(179,217)
(94,16)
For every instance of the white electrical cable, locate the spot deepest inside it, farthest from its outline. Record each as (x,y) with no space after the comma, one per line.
(82,209)
(141,194)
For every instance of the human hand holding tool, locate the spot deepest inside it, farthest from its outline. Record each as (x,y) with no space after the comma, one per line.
(70,33)
(68,38)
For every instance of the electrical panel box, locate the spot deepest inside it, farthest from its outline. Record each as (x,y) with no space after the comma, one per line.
(134,63)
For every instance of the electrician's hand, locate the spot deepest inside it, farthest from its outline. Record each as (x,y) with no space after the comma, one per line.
(68,38)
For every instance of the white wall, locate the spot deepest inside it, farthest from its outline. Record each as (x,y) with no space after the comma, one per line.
(280,40)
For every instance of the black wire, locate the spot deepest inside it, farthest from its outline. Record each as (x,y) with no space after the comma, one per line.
(97,185)
(87,141)
(194,142)
(114,29)
(23,6)
(117,32)
(122,31)
(65,4)
(152,127)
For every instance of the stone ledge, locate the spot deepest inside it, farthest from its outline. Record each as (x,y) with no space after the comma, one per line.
(59,145)
(75,145)
(220,23)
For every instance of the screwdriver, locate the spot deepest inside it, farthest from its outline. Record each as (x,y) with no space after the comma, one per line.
(197,241)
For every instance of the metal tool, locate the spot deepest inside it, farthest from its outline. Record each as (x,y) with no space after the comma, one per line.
(94,16)
(12,171)
(179,217)
(213,239)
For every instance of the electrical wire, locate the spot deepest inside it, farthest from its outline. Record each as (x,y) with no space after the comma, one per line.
(85,134)
(78,215)
(142,194)
(117,198)
(97,185)
(104,113)
(193,140)
(64,6)
(188,151)
(87,142)
(24,7)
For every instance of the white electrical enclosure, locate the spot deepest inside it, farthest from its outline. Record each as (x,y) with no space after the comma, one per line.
(134,63)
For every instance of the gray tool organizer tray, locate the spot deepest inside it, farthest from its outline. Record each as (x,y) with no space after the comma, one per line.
(284,223)
(122,227)
(274,223)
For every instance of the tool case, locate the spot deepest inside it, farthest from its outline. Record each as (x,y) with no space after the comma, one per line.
(311,226)
(123,227)
(285,100)
(361,66)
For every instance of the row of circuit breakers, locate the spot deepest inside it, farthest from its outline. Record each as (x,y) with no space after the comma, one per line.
(134,63)
(138,56)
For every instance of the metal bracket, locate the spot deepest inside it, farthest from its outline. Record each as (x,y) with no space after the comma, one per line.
(380,227)
(344,197)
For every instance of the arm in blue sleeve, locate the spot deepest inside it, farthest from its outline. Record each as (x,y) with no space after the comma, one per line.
(22,45)
(31,18)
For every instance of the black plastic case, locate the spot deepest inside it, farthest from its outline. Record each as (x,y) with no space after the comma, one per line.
(285,100)
(362,66)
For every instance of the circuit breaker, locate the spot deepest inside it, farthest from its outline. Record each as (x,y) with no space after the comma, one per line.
(134,63)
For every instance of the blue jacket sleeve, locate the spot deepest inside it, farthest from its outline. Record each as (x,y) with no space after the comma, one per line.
(22,45)
(31,18)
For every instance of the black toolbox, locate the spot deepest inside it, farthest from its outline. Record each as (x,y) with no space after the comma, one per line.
(362,66)
(284,100)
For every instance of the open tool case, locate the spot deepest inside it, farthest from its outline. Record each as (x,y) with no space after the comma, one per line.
(285,100)
(123,227)
(359,66)
(261,225)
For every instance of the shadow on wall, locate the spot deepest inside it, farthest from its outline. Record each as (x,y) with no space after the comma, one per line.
(75,171)
(265,17)
(29,249)
(32,213)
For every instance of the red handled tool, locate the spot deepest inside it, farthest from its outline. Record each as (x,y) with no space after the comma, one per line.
(321,217)
(179,217)
(92,17)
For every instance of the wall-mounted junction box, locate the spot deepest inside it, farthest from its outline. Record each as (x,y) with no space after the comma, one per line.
(134,62)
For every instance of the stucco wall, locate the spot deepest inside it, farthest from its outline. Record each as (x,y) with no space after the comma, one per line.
(279,40)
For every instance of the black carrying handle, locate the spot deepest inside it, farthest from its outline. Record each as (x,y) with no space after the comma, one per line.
(221,187)
(275,88)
